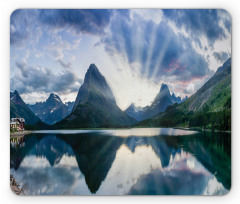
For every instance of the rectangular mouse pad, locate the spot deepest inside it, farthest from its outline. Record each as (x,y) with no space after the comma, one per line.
(120,102)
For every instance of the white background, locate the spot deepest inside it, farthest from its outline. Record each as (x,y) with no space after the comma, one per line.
(7,6)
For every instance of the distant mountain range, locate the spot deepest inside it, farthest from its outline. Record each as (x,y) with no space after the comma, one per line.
(52,110)
(95,105)
(209,107)
(160,103)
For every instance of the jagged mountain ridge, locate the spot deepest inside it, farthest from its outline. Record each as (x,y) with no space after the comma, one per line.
(160,103)
(95,105)
(52,110)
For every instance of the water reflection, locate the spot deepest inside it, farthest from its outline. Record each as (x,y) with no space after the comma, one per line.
(101,163)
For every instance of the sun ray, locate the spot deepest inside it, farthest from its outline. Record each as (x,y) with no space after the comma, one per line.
(160,58)
(150,51)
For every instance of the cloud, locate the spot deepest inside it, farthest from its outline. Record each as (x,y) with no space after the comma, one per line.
(64,64)
(41,79)
(57,49)
(84,20)
(28,23)
(157,45)
(158,50)
(17,34)
(43,180)
(23,27)
(23,67)
(198,22)
(154,15)
(17,38)
(221,57)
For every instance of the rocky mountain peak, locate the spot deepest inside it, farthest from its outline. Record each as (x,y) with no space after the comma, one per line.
(93,75)
(52,110)
(94,84)
(93,67)
(164,89)
(53,97)
(132,105)
(15,97)
(16,93)
(164,92)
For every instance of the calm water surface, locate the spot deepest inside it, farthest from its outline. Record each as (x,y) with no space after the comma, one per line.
(145,161)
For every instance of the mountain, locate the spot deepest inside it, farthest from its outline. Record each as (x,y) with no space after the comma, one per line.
(52,110)
(160,103)
(95,105)
(177,99)
(18,108)
(69,106)
(136,112)
(209,107)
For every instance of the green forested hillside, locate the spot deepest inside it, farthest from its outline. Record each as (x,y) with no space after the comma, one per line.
(209,107)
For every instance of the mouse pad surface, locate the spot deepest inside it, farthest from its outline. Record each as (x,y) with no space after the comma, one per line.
(120,102)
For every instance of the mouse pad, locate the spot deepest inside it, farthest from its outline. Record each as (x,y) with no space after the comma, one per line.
(120,102)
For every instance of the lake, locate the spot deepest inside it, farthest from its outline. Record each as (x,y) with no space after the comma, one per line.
(142,161)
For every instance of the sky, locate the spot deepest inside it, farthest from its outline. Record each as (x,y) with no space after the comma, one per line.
(136,51)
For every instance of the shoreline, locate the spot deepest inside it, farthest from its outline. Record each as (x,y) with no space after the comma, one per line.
(139,127)
(15,187)
(19,134)
(201,129)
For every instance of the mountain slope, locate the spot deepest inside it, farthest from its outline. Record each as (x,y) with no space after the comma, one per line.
(209,107)
(213,93)
(69,106)
(18,108)
(95,105)
(52,110)
(160,103)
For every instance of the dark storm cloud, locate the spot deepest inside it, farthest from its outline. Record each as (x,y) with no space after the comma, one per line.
(200,22)
(18,28)
(84,20)
(221,56)
(161,51)
(33,78)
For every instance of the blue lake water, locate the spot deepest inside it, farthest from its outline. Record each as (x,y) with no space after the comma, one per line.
(142,161)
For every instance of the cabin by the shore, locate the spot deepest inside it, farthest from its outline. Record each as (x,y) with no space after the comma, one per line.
(17,123)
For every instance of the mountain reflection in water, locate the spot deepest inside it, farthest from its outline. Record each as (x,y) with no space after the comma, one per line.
(120,162)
